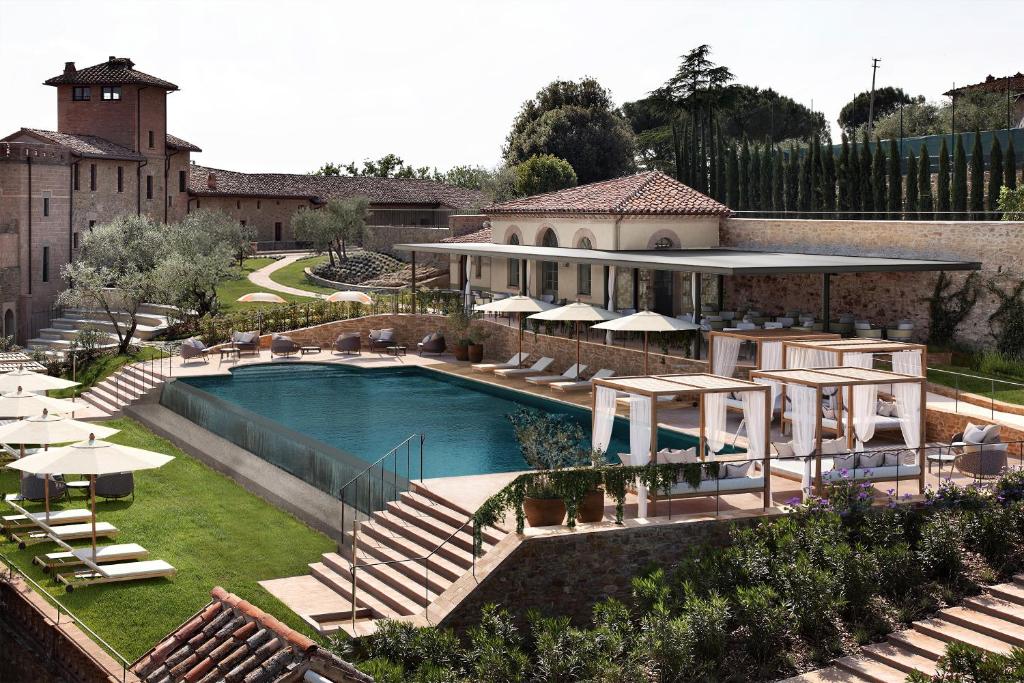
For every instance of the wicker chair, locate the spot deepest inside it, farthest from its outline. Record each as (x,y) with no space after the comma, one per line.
(246,342)
(348,342)
(192,348)
(33,487)
(382,339)
(282,345)
(432,343)
(120,485)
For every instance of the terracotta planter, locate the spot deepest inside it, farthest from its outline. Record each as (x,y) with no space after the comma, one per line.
(460,352)
(476,353)
(544,511)
(592,508)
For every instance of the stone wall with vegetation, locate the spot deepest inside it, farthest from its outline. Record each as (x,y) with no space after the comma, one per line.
(883,298)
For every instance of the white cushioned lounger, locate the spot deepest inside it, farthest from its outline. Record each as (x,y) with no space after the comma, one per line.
(793,468)
(883,422)
(57,517)
(710,486)
(119,552)
(537,368)
(113,573)
(512,362)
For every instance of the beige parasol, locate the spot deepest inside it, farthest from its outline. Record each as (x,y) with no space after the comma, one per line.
(576,313)
(647,321)
(516,304)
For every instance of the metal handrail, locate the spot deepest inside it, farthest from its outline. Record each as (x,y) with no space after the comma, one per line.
(379,462)
(13,568)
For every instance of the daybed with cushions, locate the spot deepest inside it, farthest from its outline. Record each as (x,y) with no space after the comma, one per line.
(382,339)
(432,343)
(837,462)
(886,418)
(348,342)
(734,475)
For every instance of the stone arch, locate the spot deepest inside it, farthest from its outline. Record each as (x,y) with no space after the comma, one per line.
(542,234)
(662,234)
(584,233)
(510,231)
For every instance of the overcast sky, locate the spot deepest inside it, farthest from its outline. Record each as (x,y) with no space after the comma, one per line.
(286,85)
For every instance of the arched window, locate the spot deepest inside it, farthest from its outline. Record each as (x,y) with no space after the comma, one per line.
(9,323)
(663,243)
(549,269)
(583,270)
(513,265)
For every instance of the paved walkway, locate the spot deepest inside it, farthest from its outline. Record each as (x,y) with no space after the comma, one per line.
(262,278)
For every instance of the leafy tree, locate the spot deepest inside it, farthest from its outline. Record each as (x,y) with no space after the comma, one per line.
(924,185)
(117,271)
(867,195)
(958,197)
(577,122)
(1010,168)
(942,194)
(732,179)
(854,113)
(843,179)
(388,166)
(764,114)
(894,200)
(201,251)
(1011,203)
(469,177)
(543,173)
(984,111)
(977,191)
(878,184)
(995,175)
(329,169)
(911,204)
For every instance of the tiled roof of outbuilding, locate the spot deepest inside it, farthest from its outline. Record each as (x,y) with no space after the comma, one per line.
(480,236)
(378,190)
(82,145)
(649,193)
(114,71)
(232,640)
(175,142)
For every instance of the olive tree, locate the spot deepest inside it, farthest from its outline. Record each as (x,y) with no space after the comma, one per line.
(201,253)
(332,228)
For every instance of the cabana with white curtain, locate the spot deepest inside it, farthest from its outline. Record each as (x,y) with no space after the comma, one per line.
(906,359)
(737,474)
(837,458)
(724,353)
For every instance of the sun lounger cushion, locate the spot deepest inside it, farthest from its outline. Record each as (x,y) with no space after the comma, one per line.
(108,553)
(83,530)
(127,570)
(720,485)
(56,517)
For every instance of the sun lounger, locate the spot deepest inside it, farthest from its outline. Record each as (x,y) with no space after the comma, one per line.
(68,532)
(572,373)
(513,362)
(603,373)
(121,552)
(537,368)
(113,573)
(57,517)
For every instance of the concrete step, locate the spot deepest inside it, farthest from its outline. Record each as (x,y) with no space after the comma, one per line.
(900,658)
(71,333)
(371,535)
(986,624)
(832,674)
(153,373)
(118,388)
(108,396)
(93,399)
(141,317)
(435,527)
(919,643)
(342,585)
(1003,609)
(385,586)
(950,632)
(411,570)
(425,536)
(1010,592)
(871,669)
(446,514)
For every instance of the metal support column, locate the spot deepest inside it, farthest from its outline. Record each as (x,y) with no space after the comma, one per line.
(412,262)
(695,287)
(826,301)
(522,278)
(720,284)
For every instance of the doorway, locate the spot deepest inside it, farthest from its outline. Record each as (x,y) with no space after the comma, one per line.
(663,295)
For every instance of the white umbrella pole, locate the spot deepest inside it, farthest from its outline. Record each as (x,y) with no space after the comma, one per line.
(577,349)
(520,340)
(46,487)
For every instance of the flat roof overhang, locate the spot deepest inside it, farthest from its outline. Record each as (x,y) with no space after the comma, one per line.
(717,261)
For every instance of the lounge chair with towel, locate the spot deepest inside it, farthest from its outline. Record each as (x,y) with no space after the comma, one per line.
(573,373)
(193,348)
(348,342)
(65,533)
(513,362)
(537,368)
(583,385)
(283,345)
(56,518)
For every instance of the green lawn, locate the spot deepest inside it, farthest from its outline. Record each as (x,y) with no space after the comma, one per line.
(212,530)
(976,385)
(293,275)
(100,368)
(229,290)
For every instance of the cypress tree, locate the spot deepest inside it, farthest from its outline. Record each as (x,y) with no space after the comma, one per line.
(958,198)
(942,195)
(744,193)
(894,200)
(828,180)
(995,177)
(778,183)
(878,194)
(910,205)
(754,180)
(853,181)
(701,164)
(684,156)
(924,185)
(765,191)
(843,180)
(732,179)
(977,190)
(867,197)
(1010,167)
(723,162)
(713,162)
(792,182)
(803,198)
(814,173)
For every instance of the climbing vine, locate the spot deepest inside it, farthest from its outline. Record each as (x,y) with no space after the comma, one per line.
(1008,320)
(948,308)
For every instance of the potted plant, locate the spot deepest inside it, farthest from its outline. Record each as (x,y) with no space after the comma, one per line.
(478,334)
(459,321)
(550,443)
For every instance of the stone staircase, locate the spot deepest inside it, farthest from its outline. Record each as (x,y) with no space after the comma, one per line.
(124,387)
(152,320)
(414,526)
(993,621)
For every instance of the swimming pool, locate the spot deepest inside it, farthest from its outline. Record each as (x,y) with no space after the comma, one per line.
(366,412)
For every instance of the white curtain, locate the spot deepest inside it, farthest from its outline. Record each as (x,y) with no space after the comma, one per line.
(907,363)
(726,353)
(754,418)
(799,357)
(611,301)
(640,443)
(771,359)
(859,360)
(865,399)
(604,418)
(805,416)
(908,406)
(469,291)
(714,420)
(527,286)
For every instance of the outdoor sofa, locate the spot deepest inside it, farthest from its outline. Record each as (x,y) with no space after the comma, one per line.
(246,342)
(382,339)
(432,343)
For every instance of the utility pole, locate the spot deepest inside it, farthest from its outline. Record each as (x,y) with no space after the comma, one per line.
(871,102)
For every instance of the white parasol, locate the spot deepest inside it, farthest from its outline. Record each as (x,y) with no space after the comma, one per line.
(576,313)
(646,322)
(516,304)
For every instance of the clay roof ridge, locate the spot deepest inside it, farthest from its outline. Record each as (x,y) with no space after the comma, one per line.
(651,176)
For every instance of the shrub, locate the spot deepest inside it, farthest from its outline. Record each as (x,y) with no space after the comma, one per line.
(940,548)
(709,633)
(764,622)
(817,598)
(967,664)
(994,363)
(494,648)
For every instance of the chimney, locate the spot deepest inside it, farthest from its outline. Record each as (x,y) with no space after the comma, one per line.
(69,68)
(211,181)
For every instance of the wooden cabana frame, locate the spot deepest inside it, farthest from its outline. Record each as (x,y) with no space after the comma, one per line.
(699,384)
(845,377)
(760,336)
(842,347)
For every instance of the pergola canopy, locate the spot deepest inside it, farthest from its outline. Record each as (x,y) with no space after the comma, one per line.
(783,334)
(855,345)
(832,377)
(669,385)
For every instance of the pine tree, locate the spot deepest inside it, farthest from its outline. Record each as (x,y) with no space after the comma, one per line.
(765,191)
(828,180)
(732,179)
(792,182)
(894,199)
(778,183)
(853,181)
(977,190)
(910,205)
(958,198)
(995,178)
(843,180)
(867,197)
(878,194)
(1010,167)
(803,199)
(744,194)
(924,185)
(942,195)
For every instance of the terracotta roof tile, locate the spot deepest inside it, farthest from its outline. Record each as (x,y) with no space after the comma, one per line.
(649,193)
(82,145)
(175,142)
(378,190)
(483,236)
(114,71)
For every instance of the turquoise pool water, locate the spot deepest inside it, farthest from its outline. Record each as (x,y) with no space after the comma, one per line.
(365,412)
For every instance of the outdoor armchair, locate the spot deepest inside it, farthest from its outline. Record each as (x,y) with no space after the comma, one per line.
(33,488)
(348,342)
(432,343)
(382,339)
(120,485)
(193,348)
(283,345)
